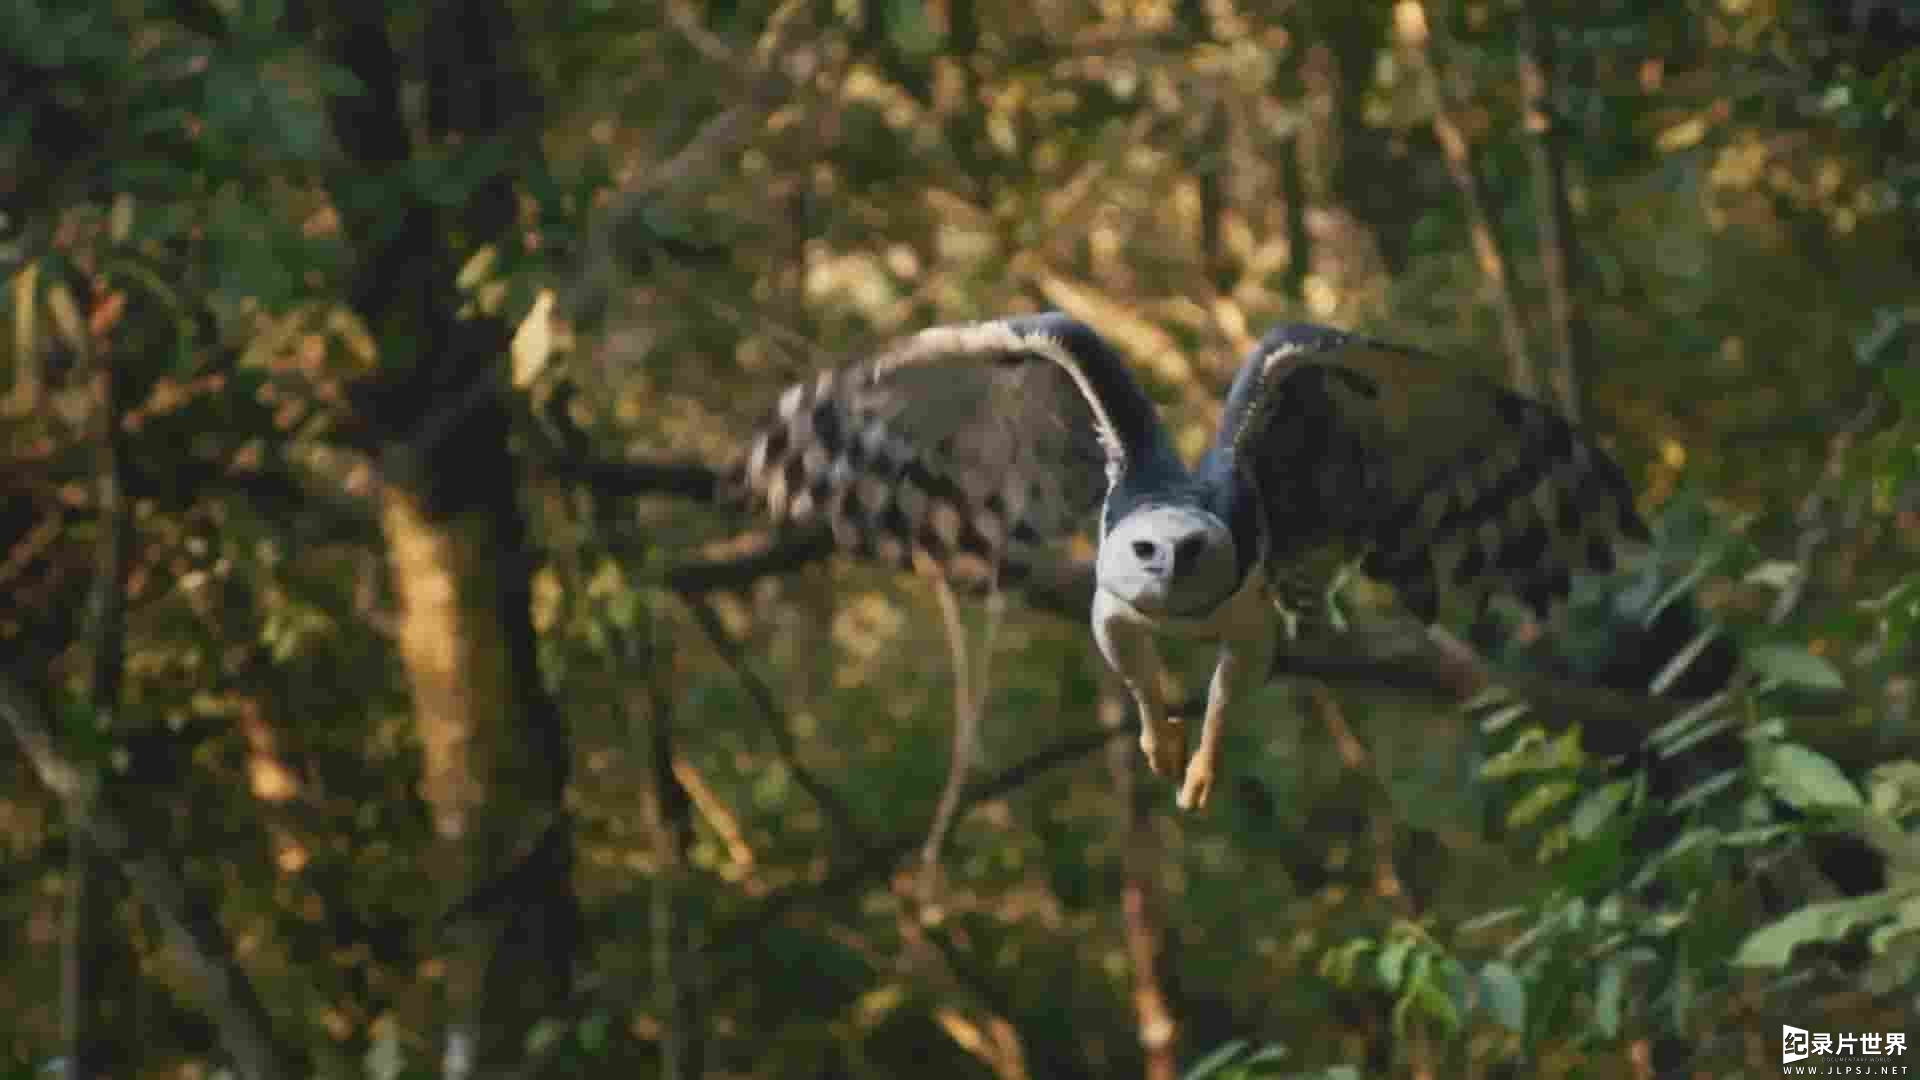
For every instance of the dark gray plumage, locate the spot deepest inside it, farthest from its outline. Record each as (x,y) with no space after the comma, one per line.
(964,448)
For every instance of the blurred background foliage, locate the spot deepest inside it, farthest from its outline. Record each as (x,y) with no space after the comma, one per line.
(1695,223)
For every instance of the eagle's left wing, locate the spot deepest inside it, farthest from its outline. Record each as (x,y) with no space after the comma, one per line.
(961,446)
(1447,483)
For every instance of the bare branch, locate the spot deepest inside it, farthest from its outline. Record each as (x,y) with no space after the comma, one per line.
(695,579)
(92,947)
(1414,29)
(969,701)
(1387,882)
(1140,901)
(727,133)
(1813,517)
(822,793)
(1559,250)
(725,946)
(677,983)
(879,859)
(681,479)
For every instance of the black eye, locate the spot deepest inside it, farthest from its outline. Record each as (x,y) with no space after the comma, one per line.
(1186,551)
(1143,549)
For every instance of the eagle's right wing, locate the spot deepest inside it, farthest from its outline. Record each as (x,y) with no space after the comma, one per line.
(1447,483)
(962,445)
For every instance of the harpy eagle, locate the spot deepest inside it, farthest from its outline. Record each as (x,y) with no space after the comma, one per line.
(967,447)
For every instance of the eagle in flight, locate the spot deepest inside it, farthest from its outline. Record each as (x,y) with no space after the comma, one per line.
(967,448)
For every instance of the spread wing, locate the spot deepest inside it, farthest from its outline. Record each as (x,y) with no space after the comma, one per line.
(965,445)
(1446,482)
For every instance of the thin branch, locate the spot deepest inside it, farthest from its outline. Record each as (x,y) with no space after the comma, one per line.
(1813,518)
(716,813)
(728,947)
(246,1031)
(729,937)
(969,702)
(838,812)
(677,983)
(786,556)
(996,1042)
(1140,903)
(91,945)
(1379,799)
(1414,31)
(614,479)
(1559,245)
(726,134)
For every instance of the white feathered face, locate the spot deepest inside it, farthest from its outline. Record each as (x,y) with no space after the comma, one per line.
(1169,561)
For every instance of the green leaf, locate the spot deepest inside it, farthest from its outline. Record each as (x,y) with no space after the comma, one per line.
(1683,660)
(1433,1002)
(1217,1061)
(1715,554)
(1391,964)
(1895,788)
(1609,994)
(1537,802)
(1774,574)
(544,1034)
(1808,779)
(1338,962)
(1488,920)
(1792,666)
(1772,945)
(1693,727)
(1879,347)
(1706,789)
(910,30)
(1503,996)
(1504,716)
(592,1032)
(1599,807)
(1270,1054)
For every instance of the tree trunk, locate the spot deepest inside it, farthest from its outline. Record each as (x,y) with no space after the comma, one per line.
(495,750)
(495,753)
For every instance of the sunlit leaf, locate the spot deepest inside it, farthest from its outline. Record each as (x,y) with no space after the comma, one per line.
(1774,574)
(592,1031)
(26,306)
(1500,718)
(1609,995)
(120,219)
(1390,965)
(1808,779)
(1894,788)
(1599,807)
(1213,1063)
(1503,995)
(1683,660)
(1532,806)
(1794,666)
(66,316)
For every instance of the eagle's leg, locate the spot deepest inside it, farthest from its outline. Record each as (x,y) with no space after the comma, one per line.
(1128,646)
(1242,668)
